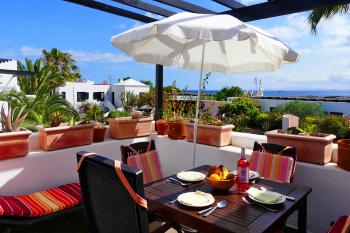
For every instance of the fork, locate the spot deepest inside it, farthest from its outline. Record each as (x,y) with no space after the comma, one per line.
(179,182)
(251,203)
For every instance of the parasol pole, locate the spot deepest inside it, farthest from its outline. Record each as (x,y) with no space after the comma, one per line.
(197,106)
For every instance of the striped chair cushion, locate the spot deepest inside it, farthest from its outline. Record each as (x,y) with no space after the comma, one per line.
(41,203)
(272,166)
(341,226)
(150,165)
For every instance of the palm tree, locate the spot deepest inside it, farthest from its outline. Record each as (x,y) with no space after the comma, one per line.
(42,107)
(325,13)
(62,62)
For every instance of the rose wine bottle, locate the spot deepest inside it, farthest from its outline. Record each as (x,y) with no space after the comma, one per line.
(242,173)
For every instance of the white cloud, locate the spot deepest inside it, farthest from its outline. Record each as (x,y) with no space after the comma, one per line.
(80,56)
(336,31)
(30,51)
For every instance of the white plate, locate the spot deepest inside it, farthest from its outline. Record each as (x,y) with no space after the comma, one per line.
(196,199)
(283,199)
(252,174)
(190,176)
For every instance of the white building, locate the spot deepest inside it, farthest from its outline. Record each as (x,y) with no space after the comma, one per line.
(79,92)
(8,81)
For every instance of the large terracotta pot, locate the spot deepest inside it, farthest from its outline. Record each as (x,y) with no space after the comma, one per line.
(162,127)
(125,127)
(99,134)
(65,136)
(14,144)
(176,130)
(344,154)
(210,134)
(313,149)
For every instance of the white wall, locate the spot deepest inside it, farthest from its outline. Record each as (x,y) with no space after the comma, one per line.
(343,107)
(8,81)
(41,169)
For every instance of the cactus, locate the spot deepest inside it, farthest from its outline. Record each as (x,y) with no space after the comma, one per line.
(12,122)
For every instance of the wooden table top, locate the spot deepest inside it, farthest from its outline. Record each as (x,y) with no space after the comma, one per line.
(237,216)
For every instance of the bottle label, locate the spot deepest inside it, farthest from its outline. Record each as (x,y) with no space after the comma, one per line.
(243,174)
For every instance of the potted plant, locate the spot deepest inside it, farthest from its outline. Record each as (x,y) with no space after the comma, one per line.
(311,147)
(210,130)
(122,125)
(64,135)
(176,126)
(344,154)
(13,139)
(162,127)
(94,115)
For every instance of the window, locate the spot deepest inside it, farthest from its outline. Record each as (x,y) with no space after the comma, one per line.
(99,96)
(82,96)
(63,94)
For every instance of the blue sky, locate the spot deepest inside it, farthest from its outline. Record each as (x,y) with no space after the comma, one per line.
(31,25)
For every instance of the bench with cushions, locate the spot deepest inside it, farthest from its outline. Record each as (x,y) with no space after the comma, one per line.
(34,212)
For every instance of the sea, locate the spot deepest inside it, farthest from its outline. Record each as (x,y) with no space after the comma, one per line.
(290,92)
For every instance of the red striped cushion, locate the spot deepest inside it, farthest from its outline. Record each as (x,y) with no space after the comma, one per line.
(41,203)
(341,226)
(149,163)
(272,166)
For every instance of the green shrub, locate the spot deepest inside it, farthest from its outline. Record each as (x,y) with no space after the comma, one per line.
(275,120)
(263,121)
(116,114)
(300,109)
(331,124)
(228,92)
(241,112)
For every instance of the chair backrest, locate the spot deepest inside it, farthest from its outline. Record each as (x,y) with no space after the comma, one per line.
(140,147)
(278,149)
(108,205)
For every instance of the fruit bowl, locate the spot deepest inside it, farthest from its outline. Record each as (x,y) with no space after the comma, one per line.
(221,185)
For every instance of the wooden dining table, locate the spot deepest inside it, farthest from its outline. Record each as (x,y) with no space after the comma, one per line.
(237,216)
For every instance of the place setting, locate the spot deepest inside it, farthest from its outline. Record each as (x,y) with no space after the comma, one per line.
(186,178)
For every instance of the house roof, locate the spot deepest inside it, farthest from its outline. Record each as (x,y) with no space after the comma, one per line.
(130,82)
(4,60)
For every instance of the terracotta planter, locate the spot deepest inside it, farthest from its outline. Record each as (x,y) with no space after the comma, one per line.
(64,137)
(99,134)
(344,154)
(313,149)
(14,144)
(176,130)
(125,127)
(162,127)
(210,134)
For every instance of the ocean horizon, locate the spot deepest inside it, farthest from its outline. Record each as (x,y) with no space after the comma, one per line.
(290,92)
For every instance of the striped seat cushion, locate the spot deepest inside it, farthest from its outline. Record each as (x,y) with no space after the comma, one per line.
(41,203)
(272,166)
(341,226)
(150,165)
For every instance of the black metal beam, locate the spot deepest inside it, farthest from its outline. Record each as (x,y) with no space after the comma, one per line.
(159,92)
(186,6)
(16,72)
(146,7)
(113,10)
(233,4)
(279,8)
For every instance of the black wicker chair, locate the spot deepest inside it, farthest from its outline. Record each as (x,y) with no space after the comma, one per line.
(108,206)
(276,149)
(141,147)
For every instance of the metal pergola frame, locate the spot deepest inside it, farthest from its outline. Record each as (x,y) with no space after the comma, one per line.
(268,9)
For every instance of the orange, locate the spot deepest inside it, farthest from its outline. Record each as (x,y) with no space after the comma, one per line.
(214,177)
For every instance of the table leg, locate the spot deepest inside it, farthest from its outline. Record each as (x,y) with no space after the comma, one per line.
(302,216)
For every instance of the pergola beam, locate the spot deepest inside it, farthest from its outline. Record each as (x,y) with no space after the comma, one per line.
(230,3)
(15,72)
(146,7)
(180,4)
(113,10)
(279,8)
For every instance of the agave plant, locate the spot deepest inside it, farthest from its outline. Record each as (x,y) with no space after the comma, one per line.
(12,121)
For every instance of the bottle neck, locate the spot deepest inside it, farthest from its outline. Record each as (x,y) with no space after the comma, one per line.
(243,157)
